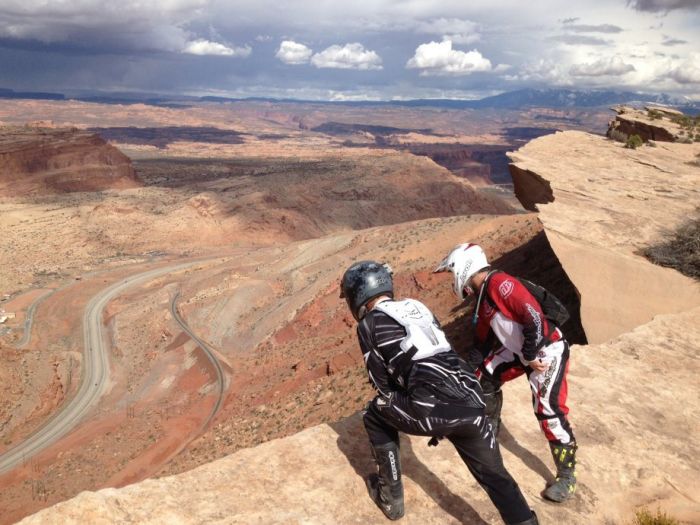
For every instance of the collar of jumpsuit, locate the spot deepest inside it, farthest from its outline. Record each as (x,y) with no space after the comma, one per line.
(374,302)
(474,283)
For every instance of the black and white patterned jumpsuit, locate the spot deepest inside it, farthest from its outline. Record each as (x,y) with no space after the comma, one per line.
(425,388)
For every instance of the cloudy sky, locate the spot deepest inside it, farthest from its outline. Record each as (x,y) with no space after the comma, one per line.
(363,49)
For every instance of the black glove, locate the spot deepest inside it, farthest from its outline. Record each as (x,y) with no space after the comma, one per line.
(434,441)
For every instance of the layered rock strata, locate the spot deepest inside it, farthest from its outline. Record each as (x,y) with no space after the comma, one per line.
(40,161)
(654,123)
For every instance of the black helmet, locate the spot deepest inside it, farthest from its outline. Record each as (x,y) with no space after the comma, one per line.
(364,281)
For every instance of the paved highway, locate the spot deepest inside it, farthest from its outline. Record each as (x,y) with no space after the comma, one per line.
(94,376)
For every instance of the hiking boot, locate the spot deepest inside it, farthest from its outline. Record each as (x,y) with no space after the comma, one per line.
(565,484)
(531,521)
(385,488)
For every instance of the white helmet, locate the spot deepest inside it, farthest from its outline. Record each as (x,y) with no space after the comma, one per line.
(463,261)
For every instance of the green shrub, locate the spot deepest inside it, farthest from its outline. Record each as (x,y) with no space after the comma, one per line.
(617,135)
(644,517)
(654,114)
(683,121)
(634,141)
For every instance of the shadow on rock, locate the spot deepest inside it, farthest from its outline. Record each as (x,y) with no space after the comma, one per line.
(353,442)
(507,440)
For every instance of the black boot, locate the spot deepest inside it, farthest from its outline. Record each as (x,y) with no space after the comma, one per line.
(385,488)
(531,521)
(565,484)
(494,403)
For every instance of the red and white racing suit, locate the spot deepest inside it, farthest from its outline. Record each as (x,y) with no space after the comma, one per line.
(510,313)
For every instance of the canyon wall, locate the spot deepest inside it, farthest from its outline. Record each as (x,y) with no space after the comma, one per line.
(40,161)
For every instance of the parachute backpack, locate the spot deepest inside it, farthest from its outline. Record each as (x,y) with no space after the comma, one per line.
(552,308)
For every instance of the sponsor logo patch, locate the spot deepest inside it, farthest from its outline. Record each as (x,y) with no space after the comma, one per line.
(465,271)
(394,470)
(413,312)
(505,288)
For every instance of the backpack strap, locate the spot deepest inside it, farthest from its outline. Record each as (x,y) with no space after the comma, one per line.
(482,293)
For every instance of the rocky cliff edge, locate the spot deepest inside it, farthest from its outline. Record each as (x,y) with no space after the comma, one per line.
(600,204)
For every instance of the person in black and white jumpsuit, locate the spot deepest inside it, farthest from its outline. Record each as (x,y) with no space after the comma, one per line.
(423,388)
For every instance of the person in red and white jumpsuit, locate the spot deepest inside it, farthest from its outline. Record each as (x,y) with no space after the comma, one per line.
(514,338)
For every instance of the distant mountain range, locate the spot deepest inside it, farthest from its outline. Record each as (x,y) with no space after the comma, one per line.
(564,98)
(36,95)
(522,98)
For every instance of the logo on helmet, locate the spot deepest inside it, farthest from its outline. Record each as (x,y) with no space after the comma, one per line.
(465,271)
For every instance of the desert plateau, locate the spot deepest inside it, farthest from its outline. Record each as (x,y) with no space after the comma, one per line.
(174,350)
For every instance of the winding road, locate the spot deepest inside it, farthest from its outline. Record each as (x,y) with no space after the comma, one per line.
(95,371)
(29,319)
(210,355)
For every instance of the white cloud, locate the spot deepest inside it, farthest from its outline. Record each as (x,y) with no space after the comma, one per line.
(613,66)
(349,56)
(688,72)
(206,47)
(291,52)
(438,58)
(543,70)
(454,29)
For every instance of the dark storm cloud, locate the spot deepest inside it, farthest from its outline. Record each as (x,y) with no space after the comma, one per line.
(580,40)
(128,26)
(656,6)
(668,41)
(602,28)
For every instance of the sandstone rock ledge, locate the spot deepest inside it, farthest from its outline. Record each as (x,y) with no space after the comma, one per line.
(600,203)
